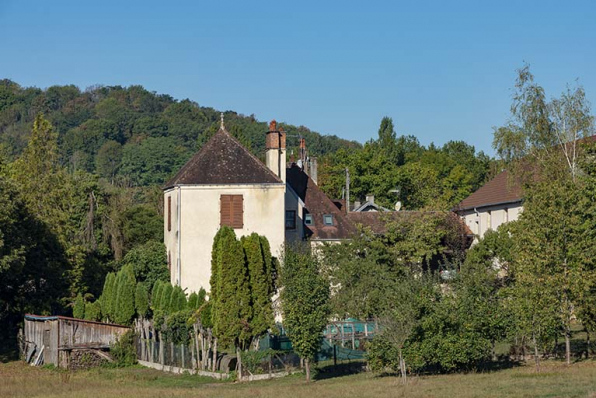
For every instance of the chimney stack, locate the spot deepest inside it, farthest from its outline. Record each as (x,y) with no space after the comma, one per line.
(275,150)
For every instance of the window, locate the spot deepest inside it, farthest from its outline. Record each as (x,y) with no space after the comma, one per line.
(169,213)
(308,219)
(232,211)
(328,219)
(290,219)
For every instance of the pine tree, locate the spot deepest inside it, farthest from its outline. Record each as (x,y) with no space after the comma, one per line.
(193,301)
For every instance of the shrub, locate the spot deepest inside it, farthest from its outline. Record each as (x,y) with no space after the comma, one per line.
(124,351)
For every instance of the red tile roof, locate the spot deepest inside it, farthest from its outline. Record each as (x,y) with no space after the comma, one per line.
(498,190)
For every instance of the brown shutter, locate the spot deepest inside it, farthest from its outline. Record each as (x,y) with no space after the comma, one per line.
(232,211)
(169,213)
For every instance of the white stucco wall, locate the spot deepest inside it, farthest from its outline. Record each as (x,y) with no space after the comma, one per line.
(491,217)
(200,220)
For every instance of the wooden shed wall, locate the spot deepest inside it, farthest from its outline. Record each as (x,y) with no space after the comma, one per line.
(43,334)
(80,334)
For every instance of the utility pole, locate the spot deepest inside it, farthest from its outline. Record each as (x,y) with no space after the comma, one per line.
(347,190)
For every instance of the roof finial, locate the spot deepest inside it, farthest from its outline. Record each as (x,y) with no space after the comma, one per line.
(222,123)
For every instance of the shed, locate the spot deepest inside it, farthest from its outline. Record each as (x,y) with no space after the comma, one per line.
(53,339)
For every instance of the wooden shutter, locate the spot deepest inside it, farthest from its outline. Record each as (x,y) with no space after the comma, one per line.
(169,213)
(232,211)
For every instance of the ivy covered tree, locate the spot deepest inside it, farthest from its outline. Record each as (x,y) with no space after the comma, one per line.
(304,302)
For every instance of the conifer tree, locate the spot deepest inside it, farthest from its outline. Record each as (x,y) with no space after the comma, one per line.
(93,311)
(156,294)
(233,296)
(107,296)
(166,294)
(126,296)
(141,300)
(193,301)
(78,309)
(259,283)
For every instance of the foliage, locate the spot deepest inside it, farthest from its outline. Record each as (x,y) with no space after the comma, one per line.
(93,311)
(123,351)
(148,263)
(125,299)
(178,327)
(304,301)
(141,300)
(78,308)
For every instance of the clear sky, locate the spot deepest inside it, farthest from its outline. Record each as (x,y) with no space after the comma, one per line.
(442,70)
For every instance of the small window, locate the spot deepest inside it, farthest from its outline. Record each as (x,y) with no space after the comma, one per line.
(308,219)
(328,219)
(290,219)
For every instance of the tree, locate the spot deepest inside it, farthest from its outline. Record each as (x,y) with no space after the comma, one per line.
(126,296)
(156,295)
(304,302)
(78,308)
(108,296)
(141,300)
(164,299)
(148,263)
(108,160)
(544,134)
(260,279)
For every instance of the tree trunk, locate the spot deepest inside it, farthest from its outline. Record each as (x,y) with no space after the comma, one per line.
(587,344)
(214,355)
(568,346)
(239,363)
(307,367)
(536,356)
(494,353)
(402,368)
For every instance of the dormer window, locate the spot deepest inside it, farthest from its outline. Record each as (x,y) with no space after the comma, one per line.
(328,219)
(308,219)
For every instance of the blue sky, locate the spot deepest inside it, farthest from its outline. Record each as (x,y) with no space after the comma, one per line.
(441,71)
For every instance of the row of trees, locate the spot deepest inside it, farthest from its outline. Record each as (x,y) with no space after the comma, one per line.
(431,178)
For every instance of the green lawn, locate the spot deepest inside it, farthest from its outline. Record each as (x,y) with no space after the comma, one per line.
(556,380)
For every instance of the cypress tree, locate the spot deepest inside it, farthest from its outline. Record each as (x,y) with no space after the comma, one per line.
(156,294)
(259,282)
(78,308)
(166,294)
(193,301)
(107,295)
(141,300)
(93,311)
(214,281)
(126,296)
(233,308)
(271,265)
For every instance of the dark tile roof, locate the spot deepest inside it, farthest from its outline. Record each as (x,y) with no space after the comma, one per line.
(223,160)
(318,204)
(498,190)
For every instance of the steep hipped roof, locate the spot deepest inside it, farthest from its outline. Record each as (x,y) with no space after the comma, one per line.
(223,160)
(318,204)
(496,191)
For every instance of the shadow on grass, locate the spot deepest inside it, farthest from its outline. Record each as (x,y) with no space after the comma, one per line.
(340,370)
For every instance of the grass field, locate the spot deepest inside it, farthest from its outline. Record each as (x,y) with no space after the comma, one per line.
(556,380)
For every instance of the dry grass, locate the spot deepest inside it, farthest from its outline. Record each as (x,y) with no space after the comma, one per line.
(556,380)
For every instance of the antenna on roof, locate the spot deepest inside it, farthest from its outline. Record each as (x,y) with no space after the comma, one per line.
(222,124)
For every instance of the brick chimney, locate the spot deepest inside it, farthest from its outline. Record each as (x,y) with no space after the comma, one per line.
(275,150)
